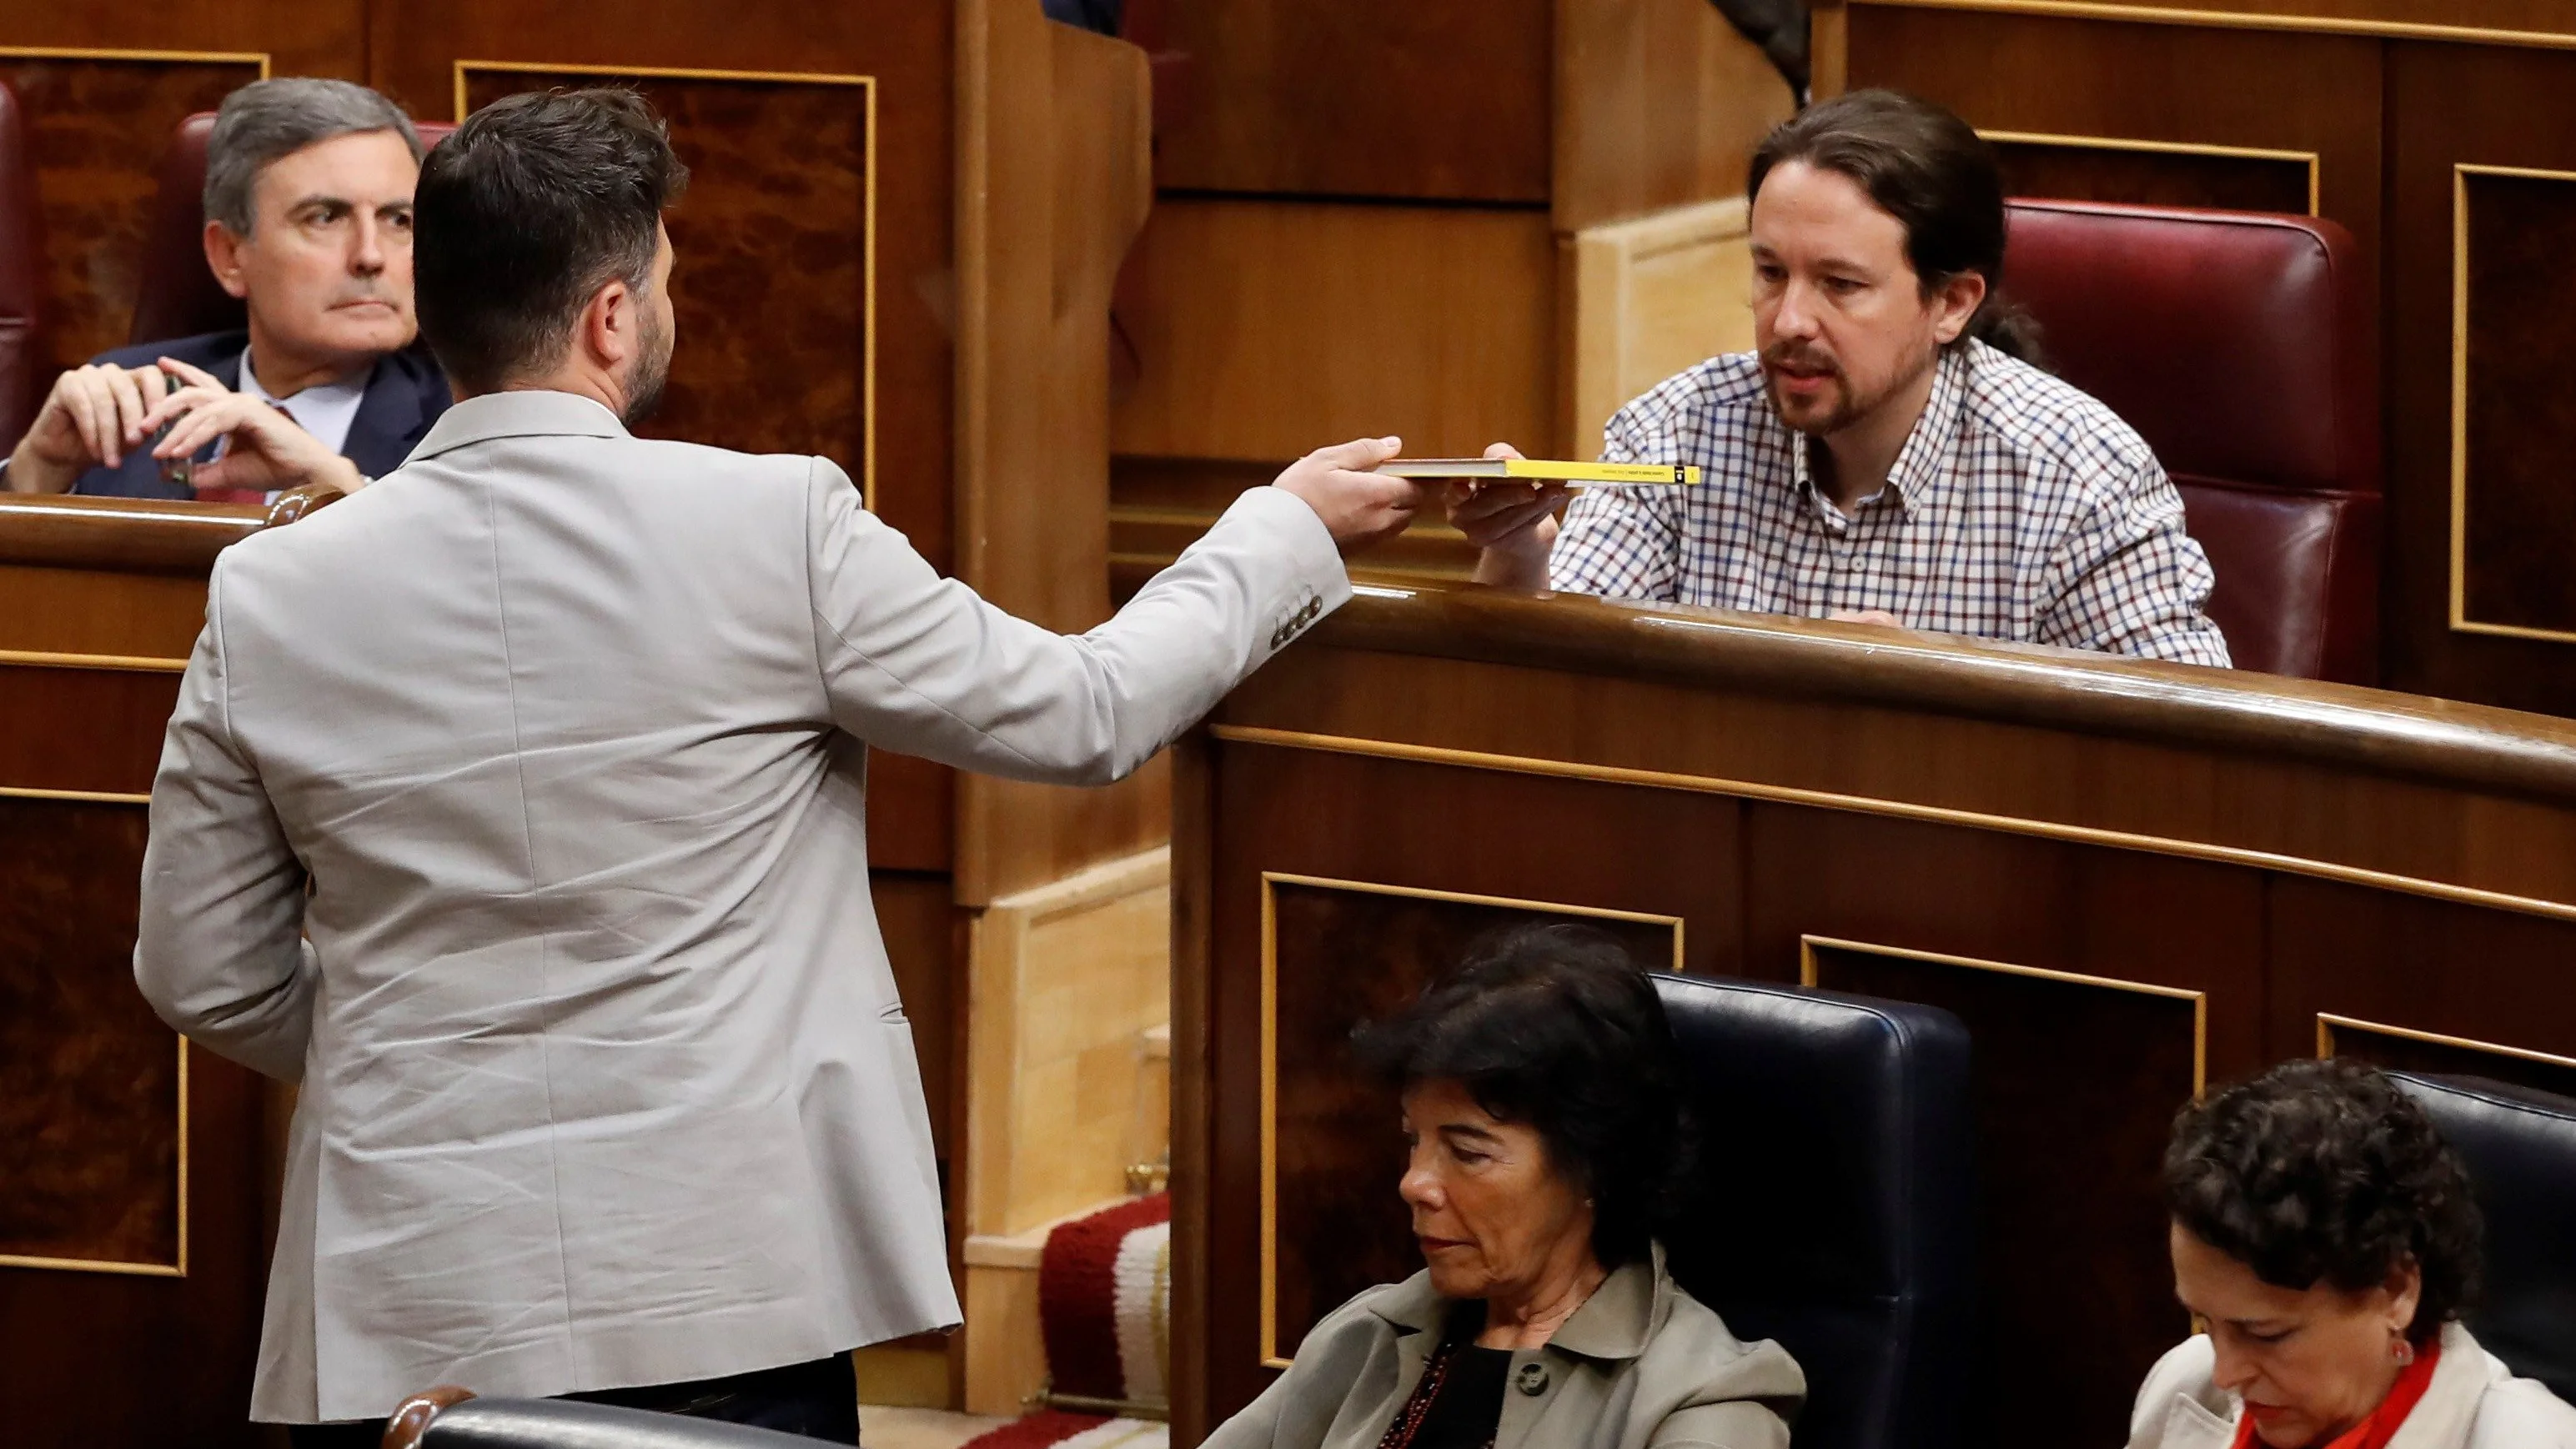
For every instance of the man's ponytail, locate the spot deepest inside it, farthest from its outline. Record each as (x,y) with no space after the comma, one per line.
(2004,326)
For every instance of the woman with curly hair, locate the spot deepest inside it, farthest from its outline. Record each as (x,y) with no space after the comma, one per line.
(2325,1238)
(1542,1103)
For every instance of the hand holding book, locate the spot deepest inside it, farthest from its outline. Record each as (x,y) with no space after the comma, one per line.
(1511,521)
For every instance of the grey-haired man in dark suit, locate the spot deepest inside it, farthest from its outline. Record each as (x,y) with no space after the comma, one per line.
(308,221)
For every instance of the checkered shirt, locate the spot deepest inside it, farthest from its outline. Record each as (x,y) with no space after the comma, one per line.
(2019,509)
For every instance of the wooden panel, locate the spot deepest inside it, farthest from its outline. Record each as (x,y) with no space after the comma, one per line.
(2515,520)
(96,131)
(1056,126)
(1659,103)
(1337,955)
(780,187)
(1435,99)
(300,37)
(82,611)
(2399,1049)
(2074,1082)
(91,1131)
(2137,82)
(1650,298)
(1066,981)
(1265,330)
(2424,965)
(789,241)
(2476,107)
(90,1140)
(2235,180)
(68,727)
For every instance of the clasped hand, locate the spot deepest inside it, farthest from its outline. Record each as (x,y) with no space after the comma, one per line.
(98,414)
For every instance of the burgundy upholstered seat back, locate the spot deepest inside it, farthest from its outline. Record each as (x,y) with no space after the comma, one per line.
(21,275)
(177,296)
(2242,346)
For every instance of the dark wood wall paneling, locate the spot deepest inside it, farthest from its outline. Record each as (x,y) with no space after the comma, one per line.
(1292,97)
(89,1078)
(90,1112)
(2148,177)
(96,129)
(2490,615)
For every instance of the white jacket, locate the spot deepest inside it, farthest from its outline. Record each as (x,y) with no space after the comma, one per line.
(605,1081)
(2473,1402)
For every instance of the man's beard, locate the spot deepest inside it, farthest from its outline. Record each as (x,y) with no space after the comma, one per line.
(1849,407)
(652,371)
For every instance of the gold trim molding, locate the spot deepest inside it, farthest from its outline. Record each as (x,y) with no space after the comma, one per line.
(1270,881)
(2327,1022)
(2460,621)
(867,84)
(1896,809)
(85,797)
(178,1269)
(2241,20)
(1807,973)
(2308,159)
(149,57)
(133,663)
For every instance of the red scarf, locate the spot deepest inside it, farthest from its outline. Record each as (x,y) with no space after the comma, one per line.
(2382,1425)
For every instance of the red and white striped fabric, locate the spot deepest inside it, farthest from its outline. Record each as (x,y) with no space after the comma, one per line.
(1104,1311)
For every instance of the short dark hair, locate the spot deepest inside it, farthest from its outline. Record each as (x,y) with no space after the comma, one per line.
(1556,1027)
(2324,1171)
(533,205)
(1932,172)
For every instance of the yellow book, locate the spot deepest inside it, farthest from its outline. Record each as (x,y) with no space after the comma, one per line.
(1541,470)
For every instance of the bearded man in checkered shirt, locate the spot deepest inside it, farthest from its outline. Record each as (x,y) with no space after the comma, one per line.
(1885,455)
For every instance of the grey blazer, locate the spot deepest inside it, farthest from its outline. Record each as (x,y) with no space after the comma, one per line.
(553,743)
(1641,1363)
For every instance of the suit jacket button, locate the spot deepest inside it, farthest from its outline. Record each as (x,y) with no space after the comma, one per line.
(1533,1379)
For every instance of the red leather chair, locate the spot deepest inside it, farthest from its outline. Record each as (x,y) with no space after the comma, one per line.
(177,295)
(2242,346)
(21,275)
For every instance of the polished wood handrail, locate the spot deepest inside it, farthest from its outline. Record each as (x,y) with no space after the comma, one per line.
(139,535)
(413,1419)
(2496,750)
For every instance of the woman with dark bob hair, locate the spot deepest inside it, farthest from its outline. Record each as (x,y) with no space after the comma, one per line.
(1549,1146)
(2324,1237)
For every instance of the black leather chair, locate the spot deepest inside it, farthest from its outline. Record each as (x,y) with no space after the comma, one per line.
(1837,1215)
(557,1424)
(2520,1148)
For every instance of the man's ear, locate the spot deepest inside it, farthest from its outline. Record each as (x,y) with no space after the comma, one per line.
(1958,300)
(223,258)
(609,324)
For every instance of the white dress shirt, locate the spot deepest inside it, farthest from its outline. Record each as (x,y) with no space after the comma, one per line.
(325,409)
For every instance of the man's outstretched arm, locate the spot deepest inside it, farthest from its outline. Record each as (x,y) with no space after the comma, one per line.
(921,665)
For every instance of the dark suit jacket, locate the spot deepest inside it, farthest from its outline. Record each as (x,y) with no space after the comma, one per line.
(405,394)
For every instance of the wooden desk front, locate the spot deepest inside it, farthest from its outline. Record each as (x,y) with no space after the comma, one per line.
(2129,879)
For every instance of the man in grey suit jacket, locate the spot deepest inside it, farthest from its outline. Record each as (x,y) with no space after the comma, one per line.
(516,807)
